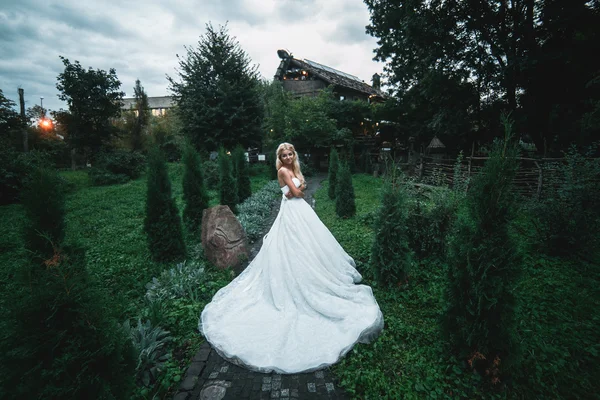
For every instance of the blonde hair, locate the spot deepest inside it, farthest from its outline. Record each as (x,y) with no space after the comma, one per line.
(295,164)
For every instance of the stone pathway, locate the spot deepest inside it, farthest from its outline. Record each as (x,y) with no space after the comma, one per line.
(210,377)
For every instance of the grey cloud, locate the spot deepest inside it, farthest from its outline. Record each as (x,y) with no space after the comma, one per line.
(296,10)
(349,31)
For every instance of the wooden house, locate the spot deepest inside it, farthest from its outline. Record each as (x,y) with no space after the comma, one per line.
(158,105)
(307,78)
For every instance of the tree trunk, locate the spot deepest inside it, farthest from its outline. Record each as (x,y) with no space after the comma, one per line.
(23,119)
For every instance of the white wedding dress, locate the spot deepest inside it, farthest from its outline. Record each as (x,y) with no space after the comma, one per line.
(296,307)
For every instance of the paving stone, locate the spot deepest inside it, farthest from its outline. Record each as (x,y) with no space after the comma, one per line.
(267,379)
(312,387)
(329,386)
(266,387)
(195,368)
(275,394)
(295,393)
(276,385)
(203,353)
(224,368)
(181,396)
(213,375)
(285,392)
(319,374)
(188,383)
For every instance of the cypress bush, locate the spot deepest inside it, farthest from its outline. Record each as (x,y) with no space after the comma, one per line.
(195,194)
(228,193)
(483,267)
(58,337)
(241,173)
(391,256)
(345,206)
(162,223)
(333,170)
(44,204)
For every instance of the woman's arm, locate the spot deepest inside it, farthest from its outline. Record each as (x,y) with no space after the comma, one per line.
(287,179)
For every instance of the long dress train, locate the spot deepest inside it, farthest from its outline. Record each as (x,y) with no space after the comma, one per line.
(296,307)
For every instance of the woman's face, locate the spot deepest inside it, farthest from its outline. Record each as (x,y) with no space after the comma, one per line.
(287,157)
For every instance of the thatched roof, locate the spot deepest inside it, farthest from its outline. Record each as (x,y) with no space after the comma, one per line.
(331,76)
(436,144)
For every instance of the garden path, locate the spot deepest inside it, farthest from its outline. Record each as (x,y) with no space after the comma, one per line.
(210,377)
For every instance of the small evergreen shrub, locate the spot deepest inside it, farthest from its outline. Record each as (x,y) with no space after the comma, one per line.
(345,206)
(44,203)
(483,268)
(59,339)
(241,173)
(210,171)
(228,194)
(253,213)
(333,170)
(162,223)
(195,195)
(390,255)
(15,167)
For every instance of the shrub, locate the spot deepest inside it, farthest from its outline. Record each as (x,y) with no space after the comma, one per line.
(333,170)
(186,280)
(115,167)
(210,171)
(150,345)
(345,206)
(253,213)
(228,194)
(365,163)
(567,217)
(44,203)
(390,255)
(162,223)
(59,338)
(483,266)
(194,191)
(15,167)
(241,173)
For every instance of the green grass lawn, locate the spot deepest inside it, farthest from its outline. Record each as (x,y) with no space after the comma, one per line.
(559,325)
(108,222)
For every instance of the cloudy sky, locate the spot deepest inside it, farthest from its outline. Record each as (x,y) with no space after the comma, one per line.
(141,39)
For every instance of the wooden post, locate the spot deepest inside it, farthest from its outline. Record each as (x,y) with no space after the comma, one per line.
(23,120)
(540,180)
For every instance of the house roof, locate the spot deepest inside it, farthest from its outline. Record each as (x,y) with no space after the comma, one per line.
(436,144)
(153,102)
(330,75)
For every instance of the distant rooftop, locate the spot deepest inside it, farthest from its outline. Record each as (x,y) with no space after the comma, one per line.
(153,102)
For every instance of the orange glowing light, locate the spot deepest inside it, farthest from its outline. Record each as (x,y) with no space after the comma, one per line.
(46,123)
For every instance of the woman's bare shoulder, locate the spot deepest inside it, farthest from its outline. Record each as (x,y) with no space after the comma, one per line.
(282,172)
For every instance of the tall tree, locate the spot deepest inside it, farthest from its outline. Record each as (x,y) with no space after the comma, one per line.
(142,116)
(194,189)
(241,172)
(507,51)
(218,93)
(9,118)
(93,97)
(228,193)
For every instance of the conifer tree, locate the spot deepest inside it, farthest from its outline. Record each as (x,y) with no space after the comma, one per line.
(333,170)
(195,194)
(483,268)
(228,194)
(58,335)
(390,254)
(44,203)
(241,173)
(162,224)
(345,206)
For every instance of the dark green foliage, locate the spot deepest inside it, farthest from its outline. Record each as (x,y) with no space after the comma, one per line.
(210,170)
(365,164)
(59,339)
(567,216)
(217,93)
(483,269)
(162,223)
(241,173)
(142,117)
(15,167)
(93,98)
(390,255)
(345,206)
(10,120)
(117,166)
(333,170)
(430,218)
(228,194)
(194,189)
(44,203)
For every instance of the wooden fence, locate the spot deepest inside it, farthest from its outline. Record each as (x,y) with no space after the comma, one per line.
(532,178)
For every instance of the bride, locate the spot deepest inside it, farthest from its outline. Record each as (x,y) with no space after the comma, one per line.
(296,307)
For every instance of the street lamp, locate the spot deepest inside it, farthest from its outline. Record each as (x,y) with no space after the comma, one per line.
(42,106)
